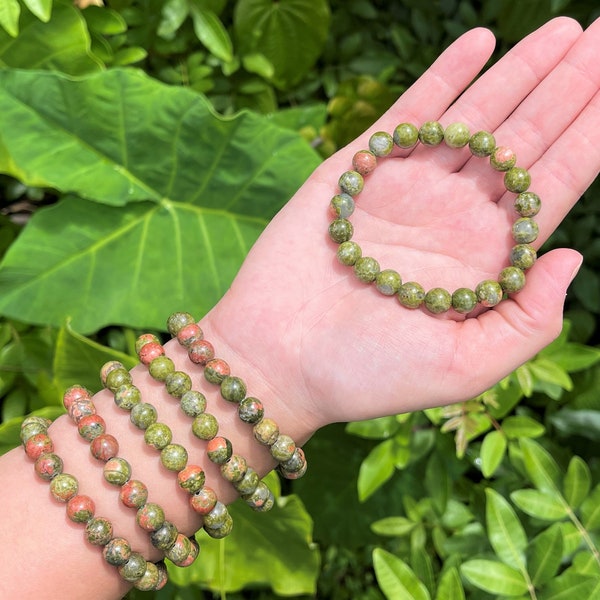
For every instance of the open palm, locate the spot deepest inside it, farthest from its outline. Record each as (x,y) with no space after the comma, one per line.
(336,349)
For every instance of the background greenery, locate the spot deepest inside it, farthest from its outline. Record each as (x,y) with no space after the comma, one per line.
(144,145)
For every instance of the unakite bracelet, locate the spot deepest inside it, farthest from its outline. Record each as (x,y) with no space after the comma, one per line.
(487,293)
(132,566)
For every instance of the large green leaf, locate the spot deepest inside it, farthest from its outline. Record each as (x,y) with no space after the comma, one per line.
(494,577)
(541,468)
(396,579)
(544,555)
(450,586)
(542,505)
(577,483)
(210,186)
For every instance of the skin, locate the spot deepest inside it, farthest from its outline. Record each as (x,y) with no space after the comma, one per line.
(313,342)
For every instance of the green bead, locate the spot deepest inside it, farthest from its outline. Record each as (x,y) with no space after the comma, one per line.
(150,580)
(523,256)
(342,205)
(411,294)
(134,568)
(406,135)
(178,383)
(234,469)
(98,531)
(127,396)
(64,487)
(216,517)
(489,293)
(348,253)
(525,230)
(431,133)
(161,367)
(117,471)
(457,135)
(261,499)
(143,415)
(205,426)
(177,321)
(464,300)
(502,158)
(528,204)
(283,449)
(117,551)
(511,279)
(366,269)
(517,180)
(251,410)
(216,370)
(248,483)
(266,432)
(164,537)
(351,183)
(158,435)
(381,143)
(193,403)
(174,457)
(233,389)
(219,450)
(150,517)
(116,378)
(482,144)
(438,300)
(33,425)
(388,282)
(340,230)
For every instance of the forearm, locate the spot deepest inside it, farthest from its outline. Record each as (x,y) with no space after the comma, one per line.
(47,554)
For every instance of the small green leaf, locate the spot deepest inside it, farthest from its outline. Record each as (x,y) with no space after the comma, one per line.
(540,466)
(505,532)
(577,483)
(493,449)
(437,482)
(9,16)
(525,379)
(258,63)
(374,429)
(569,586)
(544,555)
(542,505)
(550,372)
(376,469)
(396,579)
(494,577)
(211,32)
(42,9)
(173,14)
(128,56)
(521,426)
(590,510)
(586,563)
(575,357)
(572,538)
(101,19)
(393,526)
(450,586)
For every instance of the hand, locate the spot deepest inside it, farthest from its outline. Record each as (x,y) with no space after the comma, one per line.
(333,348)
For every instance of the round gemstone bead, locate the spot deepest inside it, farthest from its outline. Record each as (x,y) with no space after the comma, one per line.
(503,158)
(248,483)
(145,338)
(216,370)
(104,447)
(223,530)
(133,494)
(117,471)
(143,415)
(233,389)
(294,467)
(191,478)
(523,256)
(174,457)
(235,468)
(80,508)
(251,410)
(348,253)
(178,383)
(457,135)
(342,206)
(381,143)
(482,144)
(363,162)
(193,403)
(117,552)
(406,135)
(107,367)
(180,550)
(160,367)
(81,408)
(127,396)
(388,282)
(91,426)
(201,352)
(116,378)
(525,230)
(150,580)
(74,393)
(150,352)
(164,537)
(189,334)
(511,279)
(261,499)
(438,300)
(98,531)
(217,516)
(464,300)
(219,450)
(351,183)
(63,487)
(177,321)
(48,466)
(366,269)
(266,432)
(203,501)
(283,449)
(158,435)
(431,133)
(489,293)
(528,204)
(134,568)
(150,517)
(517,180)
(33,425)
(411,294)
(38,444)
(205,426)
(341,230)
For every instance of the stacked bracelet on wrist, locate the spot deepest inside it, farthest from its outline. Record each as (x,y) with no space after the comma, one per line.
(464,300)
